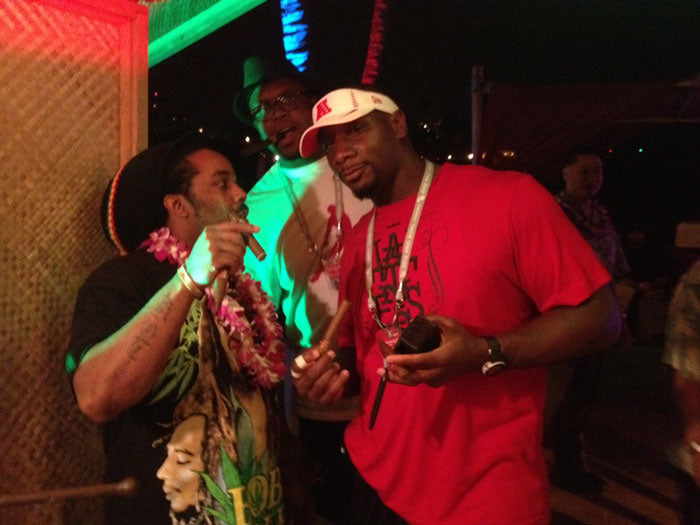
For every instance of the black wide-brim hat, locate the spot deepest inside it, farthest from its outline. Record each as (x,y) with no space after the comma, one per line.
(132,204)
(256,71)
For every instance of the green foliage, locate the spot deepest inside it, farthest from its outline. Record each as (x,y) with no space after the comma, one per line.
(225,502)
(232,479)
(235,477)
(230,473)
(183,363)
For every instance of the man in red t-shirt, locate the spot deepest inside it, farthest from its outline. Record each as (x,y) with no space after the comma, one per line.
(491,260)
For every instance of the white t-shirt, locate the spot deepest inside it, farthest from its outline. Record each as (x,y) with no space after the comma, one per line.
(292,273)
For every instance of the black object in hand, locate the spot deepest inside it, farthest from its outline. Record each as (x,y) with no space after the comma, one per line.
(421,335)
(378,400)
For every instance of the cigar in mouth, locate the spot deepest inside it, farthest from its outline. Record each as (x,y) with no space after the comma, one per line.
(257,147)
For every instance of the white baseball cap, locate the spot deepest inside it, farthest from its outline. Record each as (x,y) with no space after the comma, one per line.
(341,106)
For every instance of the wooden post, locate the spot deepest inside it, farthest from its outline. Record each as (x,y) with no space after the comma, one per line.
(477,110)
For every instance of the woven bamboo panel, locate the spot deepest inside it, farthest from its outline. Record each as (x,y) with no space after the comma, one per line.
(59,144)
(164,16)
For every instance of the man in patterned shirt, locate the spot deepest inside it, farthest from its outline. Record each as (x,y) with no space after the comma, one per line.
(682,353)
(583,178)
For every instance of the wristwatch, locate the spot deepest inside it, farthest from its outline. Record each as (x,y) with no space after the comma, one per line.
(497,361)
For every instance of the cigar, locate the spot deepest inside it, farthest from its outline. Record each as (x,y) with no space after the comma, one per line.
(221,282)
(332,328)
(260,145)
(255,147)
(325,343)
(251,242)
(254,246)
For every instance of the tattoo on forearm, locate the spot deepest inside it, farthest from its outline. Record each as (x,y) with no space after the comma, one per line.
(161,313)
(164,310)
(142,340)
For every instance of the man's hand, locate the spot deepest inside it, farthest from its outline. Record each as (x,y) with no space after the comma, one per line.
(321,379)
(696,467)
(219,247)
(688,391)
(458,352)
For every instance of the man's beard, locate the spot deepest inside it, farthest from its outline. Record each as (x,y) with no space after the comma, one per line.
(375,190)
(208,215)
(365,192)
(189,516)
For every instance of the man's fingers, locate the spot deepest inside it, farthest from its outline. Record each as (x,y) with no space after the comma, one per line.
(311,377)
(323,381)
(336,386)
(228,261)
(318,377)
(408,369)
(423,360)
(218,248)
(403,376)
(300,362)
(233,228)
(413,377)
(303,360)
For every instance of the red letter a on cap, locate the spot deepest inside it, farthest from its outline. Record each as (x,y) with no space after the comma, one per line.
(322,109)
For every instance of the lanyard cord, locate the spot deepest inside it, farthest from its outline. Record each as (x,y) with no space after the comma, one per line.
(406,250)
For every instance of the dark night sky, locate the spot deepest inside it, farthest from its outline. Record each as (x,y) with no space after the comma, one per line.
(430,48)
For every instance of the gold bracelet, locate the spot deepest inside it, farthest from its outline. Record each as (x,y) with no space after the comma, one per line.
(192,287)
(694,446)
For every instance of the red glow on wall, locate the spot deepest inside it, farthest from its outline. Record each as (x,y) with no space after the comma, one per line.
(78,24)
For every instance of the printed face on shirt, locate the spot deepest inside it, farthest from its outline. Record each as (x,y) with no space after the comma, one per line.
(584,178)
(214,190)
(281,110)
(364,154)
(180,470)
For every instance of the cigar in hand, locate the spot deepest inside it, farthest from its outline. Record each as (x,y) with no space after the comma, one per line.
(221,282)
(240,216)
(325,343)
(328,336)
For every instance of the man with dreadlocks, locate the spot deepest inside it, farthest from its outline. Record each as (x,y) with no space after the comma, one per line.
(150,340)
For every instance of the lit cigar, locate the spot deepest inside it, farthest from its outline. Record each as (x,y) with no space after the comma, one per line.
(255,147)
(221,282)
(325,343)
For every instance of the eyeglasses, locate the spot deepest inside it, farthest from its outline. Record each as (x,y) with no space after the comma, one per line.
(284,102)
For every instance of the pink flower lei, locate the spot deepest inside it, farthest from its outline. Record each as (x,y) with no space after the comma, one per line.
(246,314)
